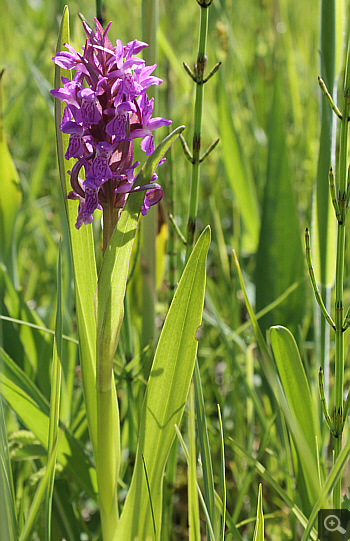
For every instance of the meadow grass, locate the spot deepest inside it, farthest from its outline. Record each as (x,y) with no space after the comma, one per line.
(256,191)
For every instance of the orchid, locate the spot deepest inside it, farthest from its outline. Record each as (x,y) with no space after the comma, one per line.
(107,108)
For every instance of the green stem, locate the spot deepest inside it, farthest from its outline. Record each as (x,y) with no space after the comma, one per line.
(201,60)
(107,463)
(110,218)
(339,286)
(108,424)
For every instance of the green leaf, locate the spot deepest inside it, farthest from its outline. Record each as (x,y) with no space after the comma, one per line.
(332,479)
(8,521)
(237,171)
(85,274)
(165,397)
(31,407)
(10,197)
(38,499)
(208,476)
(298,395)
(222,475)
(193,510)
(280,258)
(259,525)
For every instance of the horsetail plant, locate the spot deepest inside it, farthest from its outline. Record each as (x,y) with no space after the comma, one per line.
(197,75)
(339,191)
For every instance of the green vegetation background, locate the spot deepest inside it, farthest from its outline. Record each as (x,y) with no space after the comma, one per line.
(255,192)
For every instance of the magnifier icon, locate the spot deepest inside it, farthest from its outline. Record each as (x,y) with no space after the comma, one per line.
(332,524)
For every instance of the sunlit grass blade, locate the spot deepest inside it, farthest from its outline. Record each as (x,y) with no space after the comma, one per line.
(54,400)
(295,386)
(193,511)
(165,397)
(222,475)
(238,173)
(259,525)
(8,519)
(10,200)
(208,476)
(280,258)
(39,496)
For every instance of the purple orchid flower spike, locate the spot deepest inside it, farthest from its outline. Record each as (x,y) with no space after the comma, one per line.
(107,109)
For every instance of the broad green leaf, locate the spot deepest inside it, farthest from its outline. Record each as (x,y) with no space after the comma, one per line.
(238,173)
(165,397)
(259,525)
(280,259)
(10,197)
(54,400)
(296,389)
(85,275)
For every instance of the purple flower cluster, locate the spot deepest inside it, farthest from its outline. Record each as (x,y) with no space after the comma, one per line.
(106,109)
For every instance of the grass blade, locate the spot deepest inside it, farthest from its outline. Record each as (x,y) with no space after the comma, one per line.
(259,525)
(193,511)
(239,176)
(55,400)
(277,266)
(8,520)
(223,476)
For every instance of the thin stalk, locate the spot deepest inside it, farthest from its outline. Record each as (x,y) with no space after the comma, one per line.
(324,233)
(196,146)
(150,18)
(171,246)
(339,287)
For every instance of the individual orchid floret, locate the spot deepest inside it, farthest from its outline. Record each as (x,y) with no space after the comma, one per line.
(106,110)
(148,124)
(117,126)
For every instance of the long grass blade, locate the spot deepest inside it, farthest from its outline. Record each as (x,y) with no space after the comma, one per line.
(193,511)
(259,525)
(55,399)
